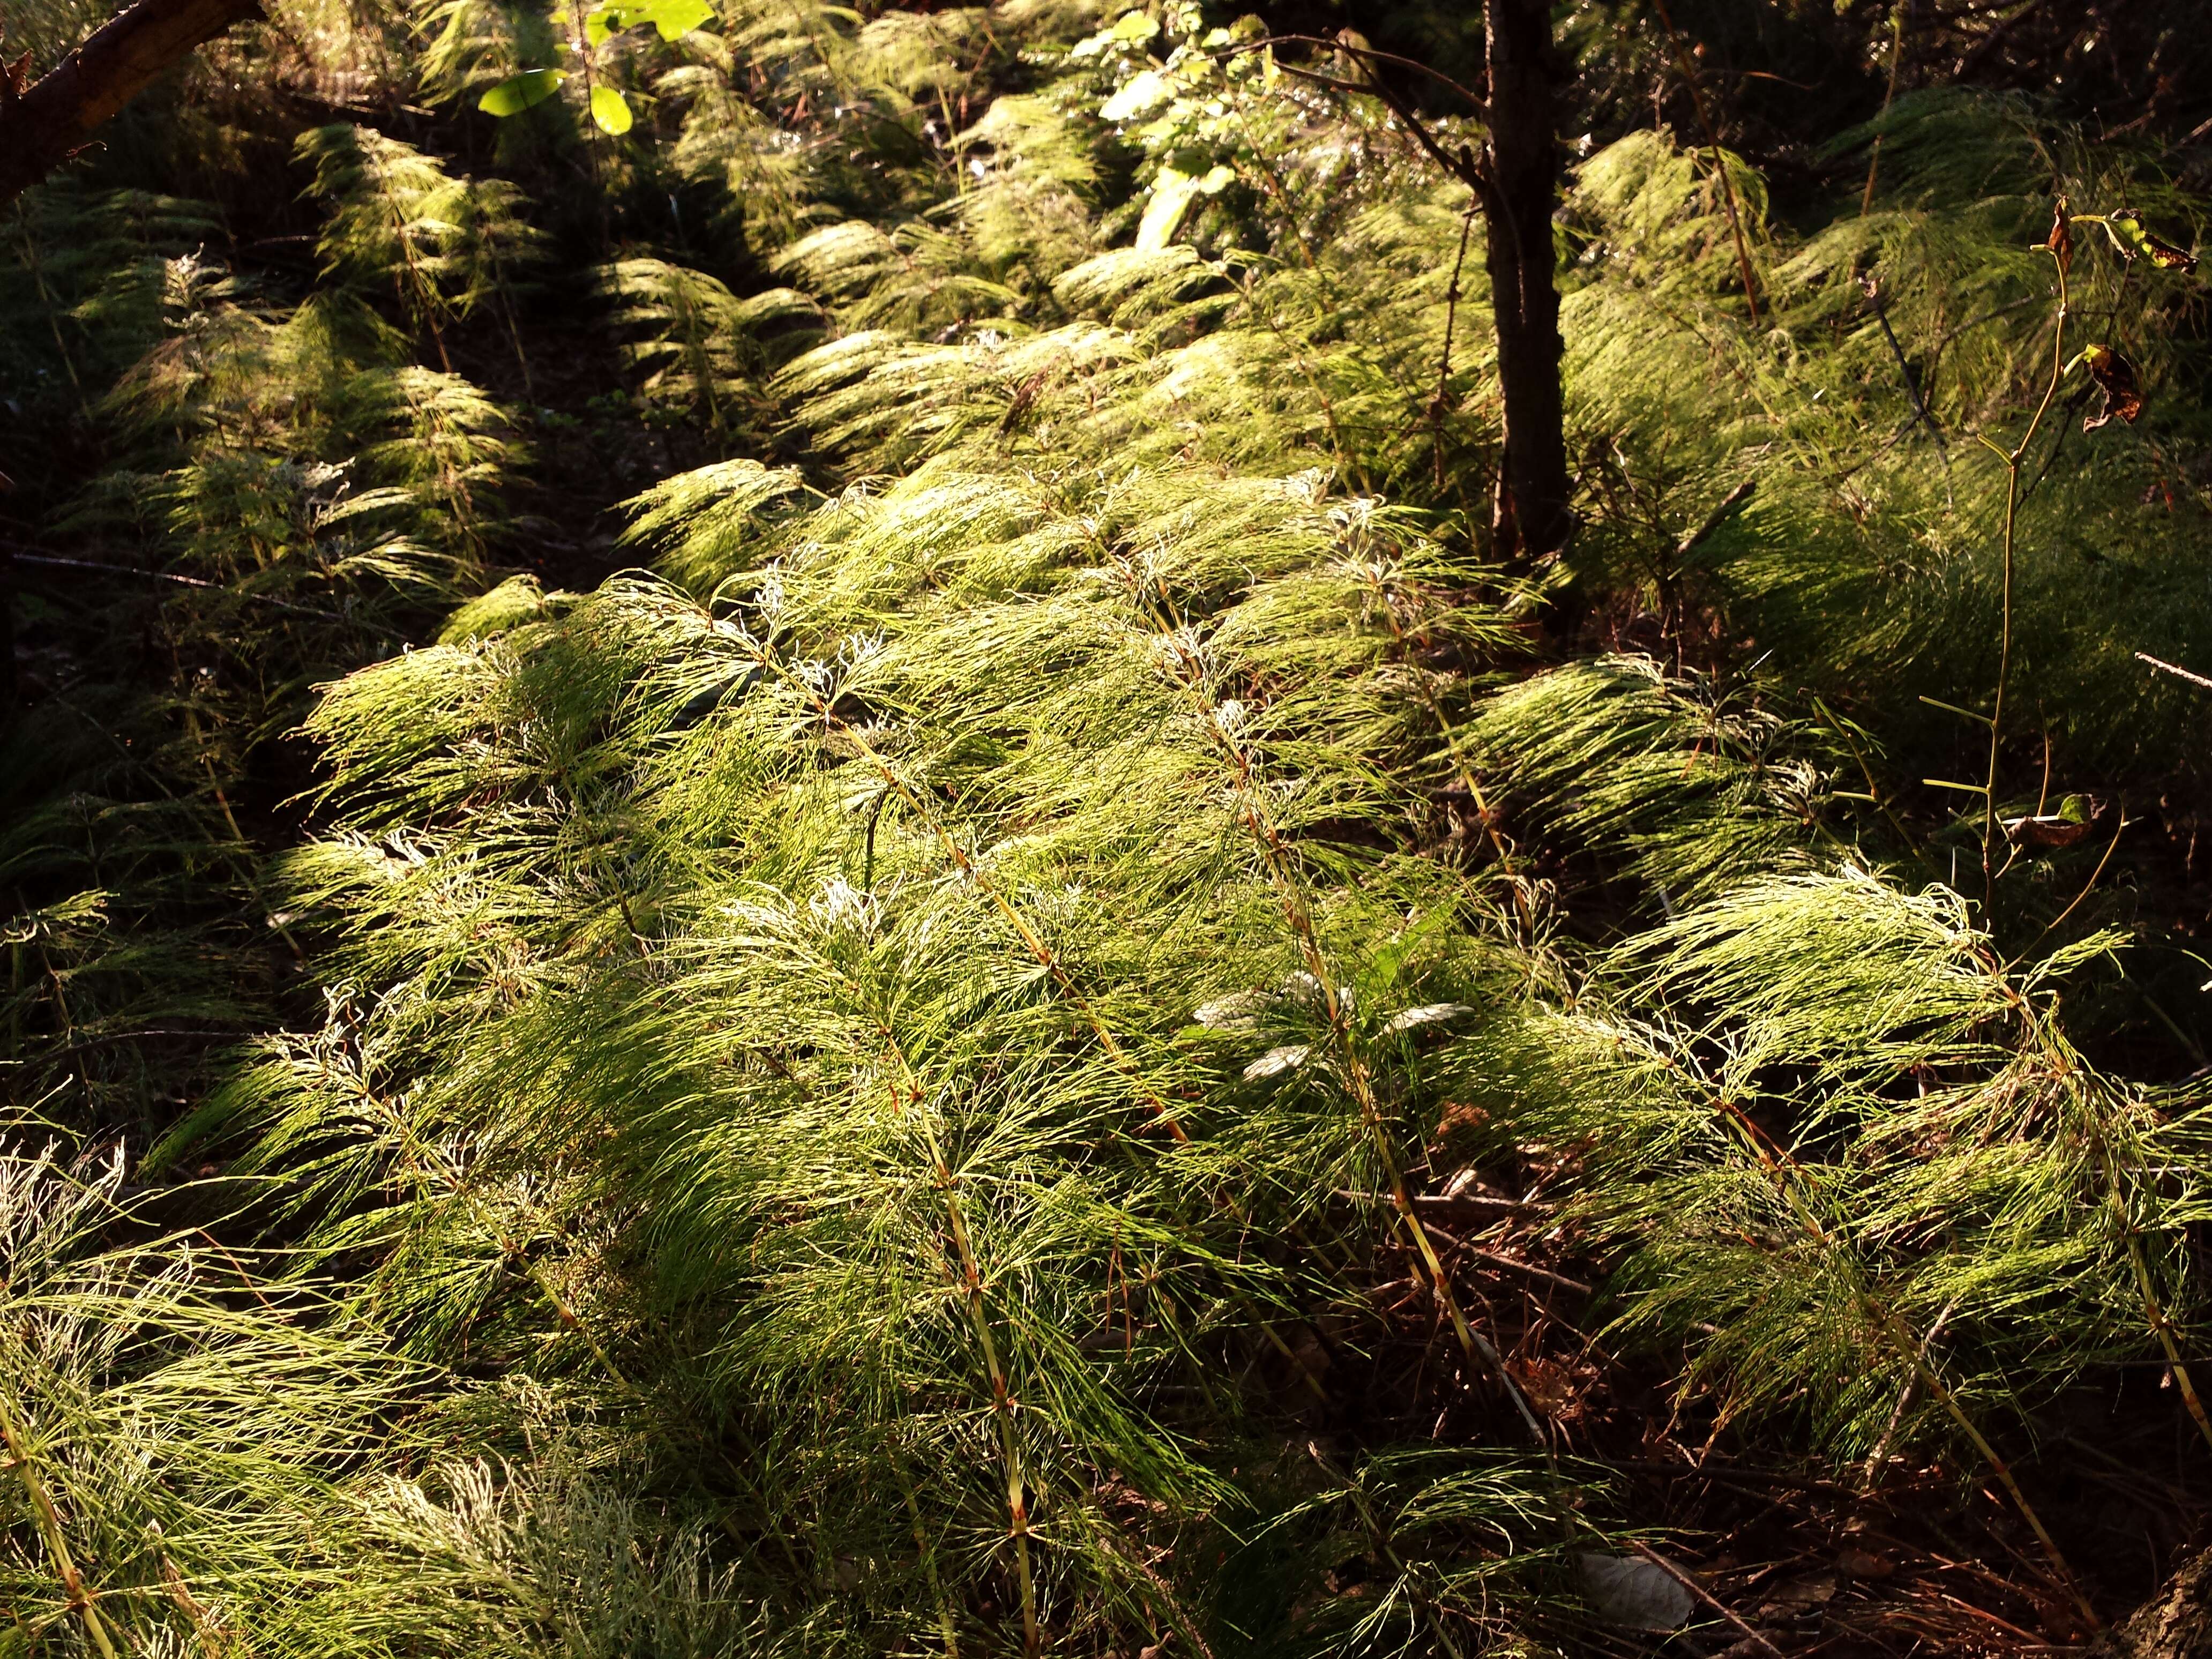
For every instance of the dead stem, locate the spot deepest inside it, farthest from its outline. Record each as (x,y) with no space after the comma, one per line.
(2012,460)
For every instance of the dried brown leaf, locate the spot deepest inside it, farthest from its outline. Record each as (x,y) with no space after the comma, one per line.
(2061,240)
(2116,378)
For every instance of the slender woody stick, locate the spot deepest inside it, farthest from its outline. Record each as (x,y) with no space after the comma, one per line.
(1720,162)
(1888,97)
(2011,459)
(2177,672)
(1704,1594)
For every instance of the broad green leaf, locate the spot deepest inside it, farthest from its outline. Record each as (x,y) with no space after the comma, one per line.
(1144,95)
(518,93)
(1218,178)
(2127,231)
(674,18)
(610,110)
(1173,193)
(1134,29)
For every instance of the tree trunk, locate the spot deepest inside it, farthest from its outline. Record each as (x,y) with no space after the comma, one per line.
(43,126)
(2175,1623)
(1522,155)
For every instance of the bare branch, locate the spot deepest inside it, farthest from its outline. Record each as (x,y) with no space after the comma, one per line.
(41,126)
(2177,672)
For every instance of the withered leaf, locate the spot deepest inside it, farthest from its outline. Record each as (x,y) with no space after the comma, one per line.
(2061,240)
(2063,827)
(1549,1385)
(1864,1564)
(2116,379)
(2044,829)
(2168,256)
(1812,1589)
(2134,241)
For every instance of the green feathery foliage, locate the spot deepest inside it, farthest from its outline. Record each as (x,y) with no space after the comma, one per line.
(895,1077)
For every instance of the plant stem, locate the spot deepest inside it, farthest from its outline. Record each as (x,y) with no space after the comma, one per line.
(1379,1537)
(1444,360)
(432,1173)
(49,1523)
(1002,1399)
(1291,895)
(1873,789)
(46,303)
(1516,883)
(1790,1178)
(2012,460)
(1045,956)
(582,37)
(1888,96)
(2154,1311)
(1720,162)
(426,296)
(928,1554)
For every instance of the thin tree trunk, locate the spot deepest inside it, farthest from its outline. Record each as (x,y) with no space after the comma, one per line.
(41,126)
(1532,517)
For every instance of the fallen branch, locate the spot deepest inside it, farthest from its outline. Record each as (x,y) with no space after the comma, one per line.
(114,1037)
(9,553)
